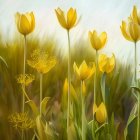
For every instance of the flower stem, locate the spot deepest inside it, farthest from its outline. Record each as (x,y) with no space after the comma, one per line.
(24,71)
(69,81)
(25,94)
(82,108)
(95,87)
(135,82)
(41,79)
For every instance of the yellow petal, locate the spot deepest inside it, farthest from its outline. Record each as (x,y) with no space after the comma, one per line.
(92,70)
(61,18)
(103,38)
(24,25)
(134,31)
(102,61)
(71,18)
(32,21)
(134,14)
(101,114)
(124,31)
(111,64)
(76,70)
(83,70)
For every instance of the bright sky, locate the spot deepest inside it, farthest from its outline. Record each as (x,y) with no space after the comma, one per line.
(102,15)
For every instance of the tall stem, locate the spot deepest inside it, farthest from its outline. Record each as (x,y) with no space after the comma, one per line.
(24,71)
(135,82)
(95,78)
(69,80)
(95,87)
(41,80)
(82,108)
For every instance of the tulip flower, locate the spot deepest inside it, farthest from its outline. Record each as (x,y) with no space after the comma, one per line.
(25,22)
(69,21)
(135,15)
(130,31)
(100,113)
(84,71)
(97,41)
(106,64)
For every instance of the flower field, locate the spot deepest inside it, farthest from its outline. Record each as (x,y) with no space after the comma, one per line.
(82,95)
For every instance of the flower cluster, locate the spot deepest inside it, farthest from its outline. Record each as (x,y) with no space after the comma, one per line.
(41,61)
(21,121)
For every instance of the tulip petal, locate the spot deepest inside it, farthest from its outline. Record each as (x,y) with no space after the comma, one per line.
(103,38)
(134,14)
(76,70)
(101,113)
(111,64)
(134,30)
(32,21)
(71,18)
(61,18)
(124,32)
(24,25)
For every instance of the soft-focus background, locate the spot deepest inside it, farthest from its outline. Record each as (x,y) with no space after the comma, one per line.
(95,14)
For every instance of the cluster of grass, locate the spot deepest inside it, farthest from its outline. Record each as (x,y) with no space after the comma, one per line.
(120,97)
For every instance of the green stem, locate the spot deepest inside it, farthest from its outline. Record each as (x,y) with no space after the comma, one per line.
(135,81)
(41,80)
(82,108)
(95,86)
(69,81)
(24,71)
(25,94)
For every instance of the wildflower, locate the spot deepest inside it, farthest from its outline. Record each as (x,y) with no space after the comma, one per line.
(97,41)
(41,61)
(69,21)
(106,64)
(25,79)
(21,121)
(84,72)
(25,22)
(100,112)
(130,31)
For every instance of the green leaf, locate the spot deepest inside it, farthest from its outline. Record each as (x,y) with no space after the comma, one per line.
(33,107)
(40,128)
(2,59)
(103,86)
(136,88)
(43,104)
(132,116)
(99,128)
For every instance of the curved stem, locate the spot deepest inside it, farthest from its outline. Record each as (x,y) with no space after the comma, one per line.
(135,82)
(25,94)
(69,80)
(41,79)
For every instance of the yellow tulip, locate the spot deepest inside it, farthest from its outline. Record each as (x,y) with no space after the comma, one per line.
(69,21)
(84,71)
(106,64)
(97,41)
(101,113)
(130,31)
(135,15)
(25,22)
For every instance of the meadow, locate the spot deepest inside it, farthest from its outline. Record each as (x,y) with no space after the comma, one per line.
(81,95)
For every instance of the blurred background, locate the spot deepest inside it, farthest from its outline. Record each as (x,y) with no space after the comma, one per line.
(95,14)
